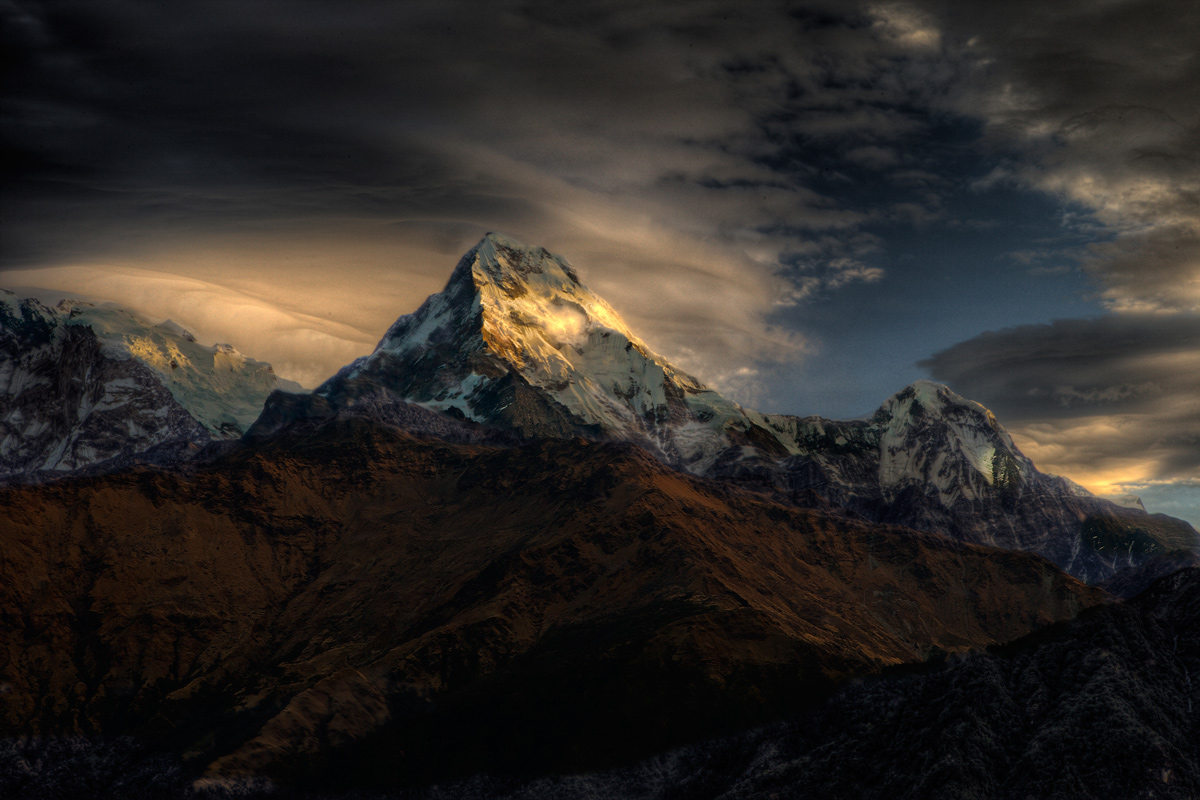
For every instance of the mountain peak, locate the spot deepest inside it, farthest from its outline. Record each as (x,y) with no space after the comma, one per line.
(932,394)
(926,421)
(538,315)
(503,256)
(175,329)
(514,267)
(516,339)
(924,397)
(509,292)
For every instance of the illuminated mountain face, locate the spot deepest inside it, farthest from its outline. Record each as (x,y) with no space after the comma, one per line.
(513,316)
(516,340)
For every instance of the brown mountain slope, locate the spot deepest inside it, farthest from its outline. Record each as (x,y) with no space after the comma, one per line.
(444,608)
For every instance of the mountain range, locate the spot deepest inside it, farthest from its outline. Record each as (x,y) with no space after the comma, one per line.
(517,342)
(510,539)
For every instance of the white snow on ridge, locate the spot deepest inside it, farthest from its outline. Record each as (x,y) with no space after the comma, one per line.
(525,309)
(457,397)
(508,308)
(223,389)
(935,437)
(219,386)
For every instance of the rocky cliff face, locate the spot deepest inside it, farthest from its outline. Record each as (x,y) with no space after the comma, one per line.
(83,386)
(517,342)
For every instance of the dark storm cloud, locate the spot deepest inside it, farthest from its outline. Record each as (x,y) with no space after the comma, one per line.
(212,110)
(1097,101)
(685,145)
(738,157)
(1113,364)
(147,118)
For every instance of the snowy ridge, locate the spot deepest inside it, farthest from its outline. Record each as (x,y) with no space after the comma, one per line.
(511,310)
(972,447)
(219,386)
(926,438)
(82,384)
(933,460)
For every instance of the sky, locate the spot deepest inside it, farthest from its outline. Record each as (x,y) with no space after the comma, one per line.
(807,205)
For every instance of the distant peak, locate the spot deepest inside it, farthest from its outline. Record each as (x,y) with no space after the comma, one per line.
(504,240)
(939,400)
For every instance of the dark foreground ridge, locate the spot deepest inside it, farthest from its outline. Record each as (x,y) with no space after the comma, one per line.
(356,604)
(1106,706)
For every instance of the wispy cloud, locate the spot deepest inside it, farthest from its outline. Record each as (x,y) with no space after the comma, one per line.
(661,147)
(299,345)
(1095,102)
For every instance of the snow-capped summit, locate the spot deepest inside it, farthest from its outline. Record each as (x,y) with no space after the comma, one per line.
(924,437)
(517,340)
(222,388)
(929,433)
(933,460)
